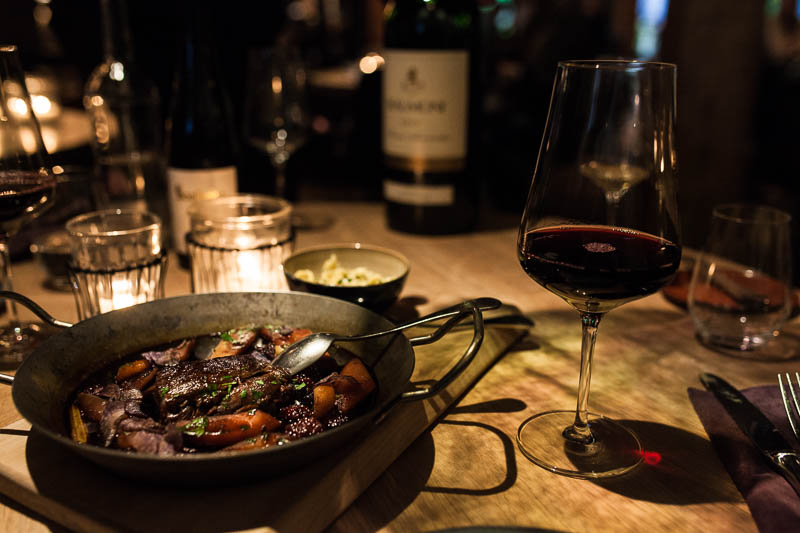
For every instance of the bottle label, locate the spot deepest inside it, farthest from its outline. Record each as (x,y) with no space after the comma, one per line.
(417,194)
(186,186)
(425,106)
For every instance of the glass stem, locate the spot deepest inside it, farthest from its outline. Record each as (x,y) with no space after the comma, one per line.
(280,180)
(5,282)
(580,431)
(612,204)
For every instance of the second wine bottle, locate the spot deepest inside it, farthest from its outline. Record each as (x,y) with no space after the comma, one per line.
(201,145)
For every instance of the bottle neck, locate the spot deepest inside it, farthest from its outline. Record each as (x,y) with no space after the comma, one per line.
(199,57)
(117,42)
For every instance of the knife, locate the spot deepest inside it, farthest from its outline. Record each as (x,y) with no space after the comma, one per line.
(753,423)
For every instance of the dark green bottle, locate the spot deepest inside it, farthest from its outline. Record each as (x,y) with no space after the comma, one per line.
(202,148)
(430,107)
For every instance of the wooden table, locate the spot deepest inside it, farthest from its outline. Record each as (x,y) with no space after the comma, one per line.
(467,470)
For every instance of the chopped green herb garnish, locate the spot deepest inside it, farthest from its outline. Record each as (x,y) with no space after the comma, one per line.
(244,394)
(252,411)
(244,427)
(196,427)
(257,394)
(275,382)
(259,382)
(299,386)
(164,390)
(226,337)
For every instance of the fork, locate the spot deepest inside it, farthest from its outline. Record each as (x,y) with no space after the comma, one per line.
(790,402)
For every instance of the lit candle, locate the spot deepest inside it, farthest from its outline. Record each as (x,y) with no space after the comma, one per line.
(248,263)
(238,243)
(121,295)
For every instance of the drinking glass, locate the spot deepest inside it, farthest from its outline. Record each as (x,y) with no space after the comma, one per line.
(275,118)
(740,294)
(117,260)
(593,251)
(238,243)
(26,188)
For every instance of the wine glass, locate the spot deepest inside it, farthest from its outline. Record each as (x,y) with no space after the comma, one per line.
(275,118)
(596,254)
(26,189)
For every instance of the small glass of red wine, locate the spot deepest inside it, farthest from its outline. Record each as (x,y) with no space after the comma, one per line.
(26,189)
(600,228)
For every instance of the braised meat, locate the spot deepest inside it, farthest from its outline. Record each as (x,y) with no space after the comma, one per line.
(201,385)
(217,393)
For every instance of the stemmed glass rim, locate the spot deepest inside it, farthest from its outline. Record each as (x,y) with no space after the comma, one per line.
(752,214)
(616,64)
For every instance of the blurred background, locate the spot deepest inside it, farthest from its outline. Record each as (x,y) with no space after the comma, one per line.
(738,86)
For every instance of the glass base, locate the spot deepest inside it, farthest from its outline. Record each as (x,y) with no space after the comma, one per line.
(18,340)
(744,343)
(613,450)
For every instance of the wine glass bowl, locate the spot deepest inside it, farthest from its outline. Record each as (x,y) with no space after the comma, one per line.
(27,188)
(600,229)
(276,119)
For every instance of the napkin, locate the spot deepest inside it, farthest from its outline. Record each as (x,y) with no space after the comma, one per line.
(773,503)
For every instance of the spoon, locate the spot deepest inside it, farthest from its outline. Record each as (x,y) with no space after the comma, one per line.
(307,350)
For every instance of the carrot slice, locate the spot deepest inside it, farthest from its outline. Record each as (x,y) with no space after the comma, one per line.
(324,399)
(281,341)
(355,368)
(142,380)
(132,368)
(298,334)
(234,342)
(224,430)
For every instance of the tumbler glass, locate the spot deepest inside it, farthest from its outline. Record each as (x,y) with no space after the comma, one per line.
(117,260)
(740,293)
(237,243)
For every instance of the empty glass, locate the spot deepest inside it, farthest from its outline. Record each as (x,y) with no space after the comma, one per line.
(117,260)
(276,120)
(238,243)
(740,292)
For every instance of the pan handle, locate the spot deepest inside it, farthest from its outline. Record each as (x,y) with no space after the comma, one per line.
(465,309)
(37,310)
(34,308)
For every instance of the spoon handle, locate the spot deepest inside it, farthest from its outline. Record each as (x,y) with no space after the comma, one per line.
(484,304)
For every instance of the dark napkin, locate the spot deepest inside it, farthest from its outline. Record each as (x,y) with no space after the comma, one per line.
(773,503)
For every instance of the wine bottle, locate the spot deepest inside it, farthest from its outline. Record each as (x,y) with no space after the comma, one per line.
(202,147)
(429,107)
(125,109)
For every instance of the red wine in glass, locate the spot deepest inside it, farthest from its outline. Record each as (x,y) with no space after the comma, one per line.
(26,188)
(597,268)
(22,195)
